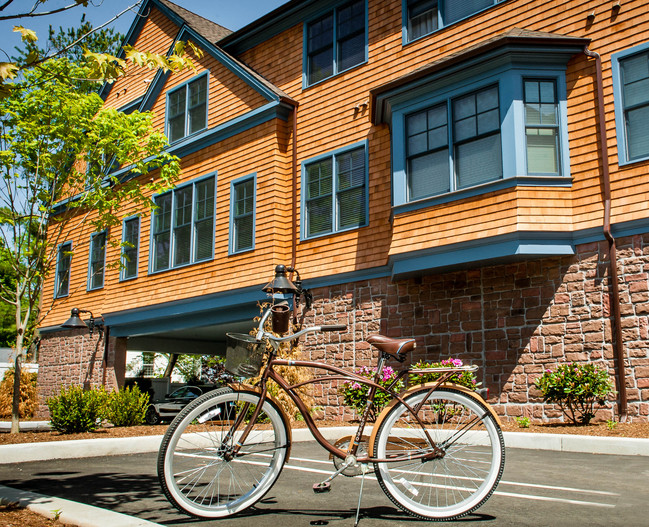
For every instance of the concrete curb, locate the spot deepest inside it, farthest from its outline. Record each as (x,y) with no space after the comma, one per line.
(80,448)
(71,512)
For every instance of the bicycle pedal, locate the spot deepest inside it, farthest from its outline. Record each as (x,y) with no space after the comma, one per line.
(318,488)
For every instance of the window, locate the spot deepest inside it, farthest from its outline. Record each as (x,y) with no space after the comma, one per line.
(183,225)
(97,262)
(442,158)
(336,41)
(187,109)
(541,127)
(130,247)
(63,261)
(243,215)
(631,89)
(425,16)
(335,192)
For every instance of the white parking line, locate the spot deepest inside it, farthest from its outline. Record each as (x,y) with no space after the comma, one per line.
(520,495)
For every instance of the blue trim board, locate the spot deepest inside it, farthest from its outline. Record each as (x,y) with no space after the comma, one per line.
(241,304)
(518,245)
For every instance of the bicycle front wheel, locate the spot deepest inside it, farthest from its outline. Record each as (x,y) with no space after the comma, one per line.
(460,476)
(199,467)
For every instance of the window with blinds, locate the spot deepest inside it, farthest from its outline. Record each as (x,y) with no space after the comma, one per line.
(541,127)
(183,225)
(454,144)
(243,215)
(635,100)
(335,192)
(97,262)
(130,247)
(187,109)
(336,41)
(425,16)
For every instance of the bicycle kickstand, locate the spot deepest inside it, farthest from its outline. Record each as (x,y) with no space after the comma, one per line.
(360,495)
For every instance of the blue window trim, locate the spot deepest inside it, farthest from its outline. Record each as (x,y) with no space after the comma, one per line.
(122,276)
(332,155)
(305,57)
(509,78)
(59,255)
(620,128)
(184,86)
(232,240)
(404,21)
(103,271)
(171,267)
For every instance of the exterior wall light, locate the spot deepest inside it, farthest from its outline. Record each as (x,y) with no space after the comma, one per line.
(75,322)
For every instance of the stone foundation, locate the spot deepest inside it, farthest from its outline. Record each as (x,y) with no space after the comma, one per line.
(513,321)
(74,357)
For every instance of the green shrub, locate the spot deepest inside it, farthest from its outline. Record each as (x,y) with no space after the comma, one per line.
(127,407)
(75,410)
(355,393)
(523,422)
(575,388)
(463,378)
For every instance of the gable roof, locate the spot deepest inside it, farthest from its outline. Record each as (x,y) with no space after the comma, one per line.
(210,30)
(207,33)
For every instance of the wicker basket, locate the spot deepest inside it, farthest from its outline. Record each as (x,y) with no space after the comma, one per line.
(243,355)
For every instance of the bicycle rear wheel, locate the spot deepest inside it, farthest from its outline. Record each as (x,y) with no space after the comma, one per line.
(198,469)
(465,474)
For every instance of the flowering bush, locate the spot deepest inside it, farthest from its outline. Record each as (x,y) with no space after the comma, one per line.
(575,388)
(355,393)
(464,378)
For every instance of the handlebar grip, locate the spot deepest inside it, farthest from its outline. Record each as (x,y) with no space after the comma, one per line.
(334,327)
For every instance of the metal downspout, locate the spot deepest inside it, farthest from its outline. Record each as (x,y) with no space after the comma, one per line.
(614,298)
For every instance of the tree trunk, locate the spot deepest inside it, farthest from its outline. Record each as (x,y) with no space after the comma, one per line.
(15,407)
(173,358)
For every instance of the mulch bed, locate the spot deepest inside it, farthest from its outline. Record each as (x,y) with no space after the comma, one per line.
(600,429)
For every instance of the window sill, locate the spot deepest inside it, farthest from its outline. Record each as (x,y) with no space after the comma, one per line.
(177,267)
(492,186)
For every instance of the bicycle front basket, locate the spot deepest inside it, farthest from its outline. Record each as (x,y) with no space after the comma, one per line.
(243,355)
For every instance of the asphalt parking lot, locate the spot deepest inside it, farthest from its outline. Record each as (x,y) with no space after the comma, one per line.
(538,488)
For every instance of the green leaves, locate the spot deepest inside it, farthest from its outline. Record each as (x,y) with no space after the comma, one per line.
(575,388)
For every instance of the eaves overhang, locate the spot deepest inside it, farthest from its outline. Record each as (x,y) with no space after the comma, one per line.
(517,246)
(511,46)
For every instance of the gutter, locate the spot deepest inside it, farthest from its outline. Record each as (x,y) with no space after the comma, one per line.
(614,296)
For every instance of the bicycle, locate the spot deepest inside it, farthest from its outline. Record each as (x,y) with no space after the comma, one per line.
(436,449)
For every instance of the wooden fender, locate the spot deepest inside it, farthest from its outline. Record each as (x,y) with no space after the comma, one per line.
(410,391)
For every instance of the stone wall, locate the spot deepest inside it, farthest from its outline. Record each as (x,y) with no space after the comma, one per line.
(74,357)
(513,320)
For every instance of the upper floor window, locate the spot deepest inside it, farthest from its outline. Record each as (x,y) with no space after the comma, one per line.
(631,89)
(187,109)
(97,263)
(541,126)
(183,225)
(63,261)
(335,192)
(443,158)
(130,247)
(336,41)
(242,231)
(425,16)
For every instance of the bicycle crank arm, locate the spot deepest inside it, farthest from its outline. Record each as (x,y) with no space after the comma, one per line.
(325,486)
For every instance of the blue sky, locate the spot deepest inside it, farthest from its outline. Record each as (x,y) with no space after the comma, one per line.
(228,13)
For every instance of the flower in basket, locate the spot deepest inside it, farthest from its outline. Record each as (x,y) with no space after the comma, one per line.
(463,378)
(355,393)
